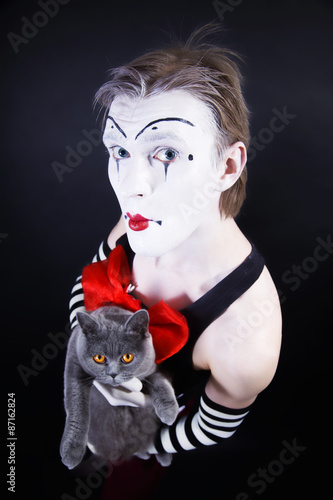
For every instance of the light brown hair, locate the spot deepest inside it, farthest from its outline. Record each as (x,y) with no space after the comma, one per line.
(205,71)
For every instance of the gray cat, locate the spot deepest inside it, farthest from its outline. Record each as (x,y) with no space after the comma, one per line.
(111,346)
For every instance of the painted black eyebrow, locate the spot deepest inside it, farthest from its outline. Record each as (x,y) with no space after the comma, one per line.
(117,126)
(164,120)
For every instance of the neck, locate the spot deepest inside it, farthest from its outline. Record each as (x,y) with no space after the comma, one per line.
(215,247)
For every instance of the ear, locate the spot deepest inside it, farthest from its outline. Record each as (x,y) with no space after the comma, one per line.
(87,323)
(232,164)
(138,322)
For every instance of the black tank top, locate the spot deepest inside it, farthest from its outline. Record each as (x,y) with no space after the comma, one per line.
(201,313)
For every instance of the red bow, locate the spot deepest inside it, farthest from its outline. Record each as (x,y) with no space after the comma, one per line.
(107,282)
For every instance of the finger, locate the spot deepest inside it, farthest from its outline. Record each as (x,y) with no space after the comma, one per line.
(134,384)
(135,398)
(114,398)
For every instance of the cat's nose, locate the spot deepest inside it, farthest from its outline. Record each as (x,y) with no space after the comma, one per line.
(113,375)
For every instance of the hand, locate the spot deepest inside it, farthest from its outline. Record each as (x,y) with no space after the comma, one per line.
(164,459)
(128,394)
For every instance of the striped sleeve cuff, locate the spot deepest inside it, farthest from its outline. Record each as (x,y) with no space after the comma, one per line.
(209,425)
(76,302)
(103,252)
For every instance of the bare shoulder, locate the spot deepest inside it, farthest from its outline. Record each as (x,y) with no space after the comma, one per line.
(242,347)
(116,233)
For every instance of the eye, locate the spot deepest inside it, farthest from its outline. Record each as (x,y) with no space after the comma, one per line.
(166,154)
(127,358)
(119,153)
(99,358)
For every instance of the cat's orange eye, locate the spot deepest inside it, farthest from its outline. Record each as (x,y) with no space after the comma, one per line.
(99,358)
(127,358)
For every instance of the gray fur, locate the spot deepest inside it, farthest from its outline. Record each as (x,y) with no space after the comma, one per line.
(113,432)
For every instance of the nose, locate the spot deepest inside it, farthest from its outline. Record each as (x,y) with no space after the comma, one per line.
(113,375)
(138,180)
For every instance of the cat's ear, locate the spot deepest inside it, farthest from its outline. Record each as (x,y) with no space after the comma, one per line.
(138,323)
(87,323)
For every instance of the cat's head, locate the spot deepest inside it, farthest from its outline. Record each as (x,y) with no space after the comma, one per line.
(115,345)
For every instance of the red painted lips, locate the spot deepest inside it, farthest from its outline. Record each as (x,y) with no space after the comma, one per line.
(137,222)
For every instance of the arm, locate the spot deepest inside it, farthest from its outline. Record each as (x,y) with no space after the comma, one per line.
(236,378)
(208,423)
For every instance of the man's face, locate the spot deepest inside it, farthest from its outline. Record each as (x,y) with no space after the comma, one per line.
(162,168)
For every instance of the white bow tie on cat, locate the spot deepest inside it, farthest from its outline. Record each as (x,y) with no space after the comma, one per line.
(131,396)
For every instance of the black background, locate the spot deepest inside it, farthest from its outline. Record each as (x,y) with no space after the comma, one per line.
(50,229)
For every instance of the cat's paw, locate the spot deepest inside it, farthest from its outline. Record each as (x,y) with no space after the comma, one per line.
(72,452)
(168,412)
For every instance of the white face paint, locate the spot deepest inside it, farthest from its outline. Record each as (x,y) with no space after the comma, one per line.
(162,168)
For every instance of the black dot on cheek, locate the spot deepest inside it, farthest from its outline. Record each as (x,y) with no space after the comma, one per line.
(190,157)
(154,128)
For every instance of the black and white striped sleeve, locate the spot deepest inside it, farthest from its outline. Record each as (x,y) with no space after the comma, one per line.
(76,302)
(210,424)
